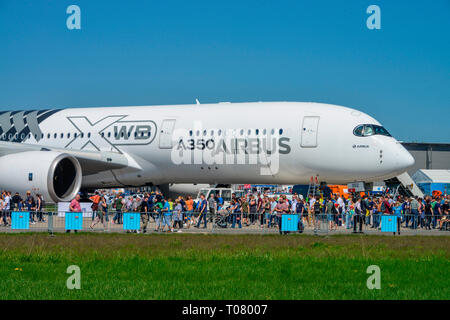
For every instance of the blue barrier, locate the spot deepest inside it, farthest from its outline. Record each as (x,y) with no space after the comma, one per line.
(289,222)
(74,220)
(131,221)
(388,223)
(20,220)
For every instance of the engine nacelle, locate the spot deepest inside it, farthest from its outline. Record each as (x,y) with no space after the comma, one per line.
(54,175)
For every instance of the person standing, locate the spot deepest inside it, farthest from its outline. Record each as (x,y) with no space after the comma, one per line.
(329,211)
(280,209)
(236,214)
(74,206)
(445,214)
(95,201)
(16,199)
(299,210)
(437,212)
(386,206)
(414,206)
(244,210)
(428,213)
(212,204)
(167,216)
(317,208)
(101,213)
(266,208)
(39,208)
(397,211)
(178,215)
(144,211)
(189,210)
(7,206)
(118,204)
(376,213)
(158,214)
(260,210)
(358,216)
(406,211)
(2,206)
(252,205)
(203,210)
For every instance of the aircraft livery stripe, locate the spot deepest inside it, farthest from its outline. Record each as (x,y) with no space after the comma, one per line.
(17,125)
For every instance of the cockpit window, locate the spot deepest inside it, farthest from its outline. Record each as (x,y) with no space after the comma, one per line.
(366,130)
(359,131)
(382,131)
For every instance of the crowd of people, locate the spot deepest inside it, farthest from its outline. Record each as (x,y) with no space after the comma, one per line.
(254,209)
(265,211)
(33,204)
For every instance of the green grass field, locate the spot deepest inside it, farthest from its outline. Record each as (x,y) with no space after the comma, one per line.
(195,266)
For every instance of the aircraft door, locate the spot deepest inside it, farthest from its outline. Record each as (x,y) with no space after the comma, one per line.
(309,130)
(165,134)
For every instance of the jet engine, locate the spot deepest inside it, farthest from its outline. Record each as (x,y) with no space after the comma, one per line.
(54,175)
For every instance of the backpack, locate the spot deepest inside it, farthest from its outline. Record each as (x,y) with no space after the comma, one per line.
(333,210)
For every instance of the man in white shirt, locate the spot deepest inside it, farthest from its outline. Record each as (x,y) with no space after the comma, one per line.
(7,207)
(3,213)
(7,201)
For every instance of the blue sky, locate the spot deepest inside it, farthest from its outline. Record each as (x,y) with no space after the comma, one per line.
(171,52)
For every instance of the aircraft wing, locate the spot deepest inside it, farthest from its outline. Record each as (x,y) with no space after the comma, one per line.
(91,161)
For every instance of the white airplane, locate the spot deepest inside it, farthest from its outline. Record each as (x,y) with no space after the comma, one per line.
(58,152)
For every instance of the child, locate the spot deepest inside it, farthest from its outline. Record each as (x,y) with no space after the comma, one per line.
(349,216)
(397,211)
(178,216)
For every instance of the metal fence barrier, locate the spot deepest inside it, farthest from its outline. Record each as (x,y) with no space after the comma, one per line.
(222,222)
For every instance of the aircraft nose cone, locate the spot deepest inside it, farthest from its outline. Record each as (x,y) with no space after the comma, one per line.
(406,160)
(409,160)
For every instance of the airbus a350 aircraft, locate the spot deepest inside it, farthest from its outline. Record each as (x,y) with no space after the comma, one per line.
(58,152)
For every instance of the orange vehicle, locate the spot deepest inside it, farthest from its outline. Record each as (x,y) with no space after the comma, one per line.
(341,190)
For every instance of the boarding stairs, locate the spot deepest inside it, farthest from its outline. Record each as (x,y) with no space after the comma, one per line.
(409,184)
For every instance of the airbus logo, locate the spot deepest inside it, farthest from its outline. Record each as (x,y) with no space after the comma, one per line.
(111,131)
(360,146)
